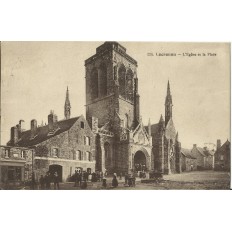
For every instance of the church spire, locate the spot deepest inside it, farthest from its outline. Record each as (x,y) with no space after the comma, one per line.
(168,105)
(67,106)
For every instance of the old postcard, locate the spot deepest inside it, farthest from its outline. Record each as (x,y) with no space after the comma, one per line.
(115,115)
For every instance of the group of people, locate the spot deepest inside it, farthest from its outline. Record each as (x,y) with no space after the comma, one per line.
(130,180)
(81,178)
(45,181)
(140,167)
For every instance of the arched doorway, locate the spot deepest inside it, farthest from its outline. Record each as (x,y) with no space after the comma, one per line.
(140,162)
(56,168)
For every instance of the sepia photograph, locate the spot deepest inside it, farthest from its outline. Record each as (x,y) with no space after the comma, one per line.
(115,115)
(101,96)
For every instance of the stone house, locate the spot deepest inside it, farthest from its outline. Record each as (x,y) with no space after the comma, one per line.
(204,156)
(188,162)
(222,156)
(60,146)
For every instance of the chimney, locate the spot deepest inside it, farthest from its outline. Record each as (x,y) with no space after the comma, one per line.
(33,128)
(218,143)
(14,135)
(52,122)
(194,145)
(22,125)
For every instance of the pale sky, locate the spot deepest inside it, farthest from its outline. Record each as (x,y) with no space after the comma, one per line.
(35,75)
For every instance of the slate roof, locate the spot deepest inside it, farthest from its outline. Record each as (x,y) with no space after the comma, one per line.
(205,152)
(154,129)
(42,133)
(224,147)
(201,150)
(187,153)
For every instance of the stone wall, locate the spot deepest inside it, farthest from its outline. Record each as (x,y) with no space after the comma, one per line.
(69,144)
(199,156)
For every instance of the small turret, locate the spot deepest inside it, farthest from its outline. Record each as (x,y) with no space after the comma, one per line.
(161,121)
(149,127)
(178,154)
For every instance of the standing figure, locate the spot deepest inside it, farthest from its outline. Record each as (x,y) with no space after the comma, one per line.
(48,180)
(126,178)
(105,173)
(75,178)
(56,181)
(101,176)
(33,184)
(42,182)
(79,178)
(115,181)
(120,176)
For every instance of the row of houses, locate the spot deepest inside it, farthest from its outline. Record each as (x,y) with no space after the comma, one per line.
(206,158)
(18,163)
(60,146)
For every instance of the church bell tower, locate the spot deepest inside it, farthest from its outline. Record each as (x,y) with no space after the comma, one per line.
(112,87)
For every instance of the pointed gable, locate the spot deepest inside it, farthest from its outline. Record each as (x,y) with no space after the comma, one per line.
(140,135)
(170,131)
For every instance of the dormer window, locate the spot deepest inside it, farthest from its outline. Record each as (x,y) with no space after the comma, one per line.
(23,154)
(6,154)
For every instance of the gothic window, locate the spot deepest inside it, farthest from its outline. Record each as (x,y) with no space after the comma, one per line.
(82,125)
(221,157)
(122,80)
(129,85)
(103,79)
(94,83)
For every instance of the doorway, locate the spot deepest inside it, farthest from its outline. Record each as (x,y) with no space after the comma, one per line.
(56,168)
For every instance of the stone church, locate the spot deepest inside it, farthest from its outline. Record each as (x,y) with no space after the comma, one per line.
(123,143)
(113,137)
